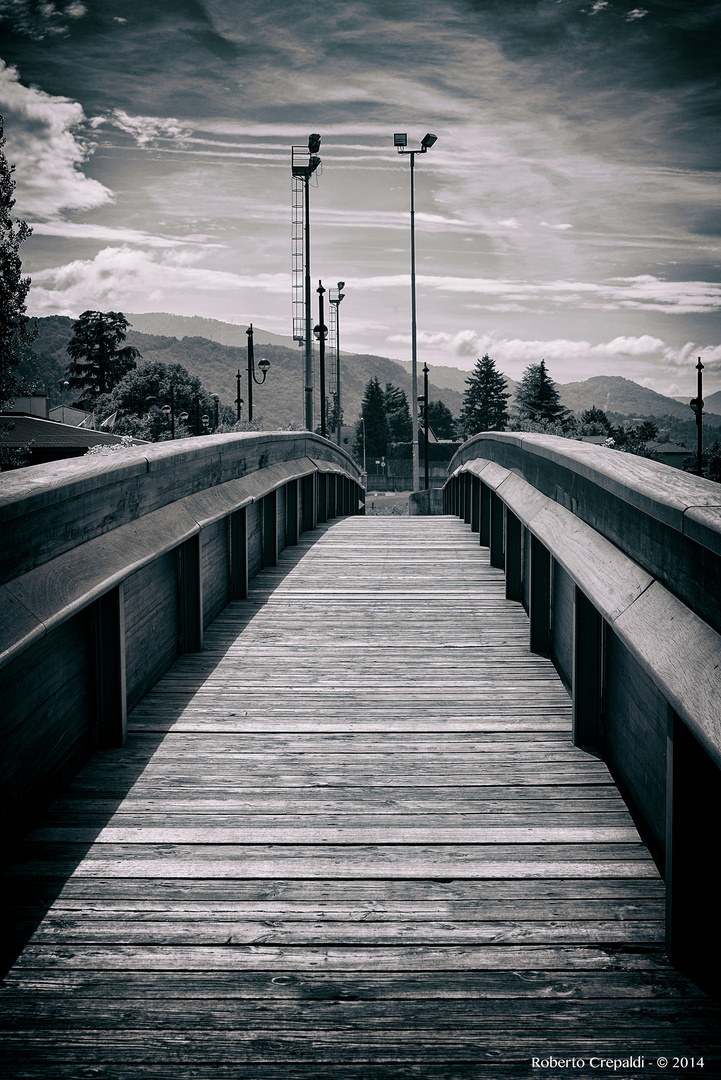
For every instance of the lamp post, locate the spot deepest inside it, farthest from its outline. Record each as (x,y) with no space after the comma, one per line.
(169,411)
(216,408)
(252,377)
(697,404)
(238,398)
(400,141)
(320,331)
(424,400)
(304,163)
(335,300)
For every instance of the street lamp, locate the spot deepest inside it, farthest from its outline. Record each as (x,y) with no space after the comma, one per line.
(400,141)
(424,406)
(304,163)
(697,405)
(238,398)
(320,332)
(335,300)
(169,411)
(252,377)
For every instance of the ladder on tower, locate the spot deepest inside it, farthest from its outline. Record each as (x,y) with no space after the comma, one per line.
(298,260)
(331,364)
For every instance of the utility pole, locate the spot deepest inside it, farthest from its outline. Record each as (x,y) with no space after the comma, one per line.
(697,404)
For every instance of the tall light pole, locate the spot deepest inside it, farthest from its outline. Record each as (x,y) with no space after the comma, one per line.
(320,331)
(335,300)
(400,141)
(304,163)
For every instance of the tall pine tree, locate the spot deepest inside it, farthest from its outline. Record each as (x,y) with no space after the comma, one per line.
(98,360)
(537,397)
(485,402)
(372,431)
(17,332)
(400,426)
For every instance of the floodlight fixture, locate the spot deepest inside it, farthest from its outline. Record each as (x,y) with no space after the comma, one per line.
(428,140)
(313,144)
(400,139)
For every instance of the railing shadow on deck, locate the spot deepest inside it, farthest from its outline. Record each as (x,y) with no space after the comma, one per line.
(29,895)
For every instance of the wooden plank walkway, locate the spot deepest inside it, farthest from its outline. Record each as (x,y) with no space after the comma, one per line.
(350,840)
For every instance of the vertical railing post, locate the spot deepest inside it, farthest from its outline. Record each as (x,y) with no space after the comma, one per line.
(693,805)
(587,669)
(270,529)
(475,492)
(513,559)
(322,488)
(108,615)
(496,531)
(291,513)
(539,607)
(239,555)
(190,578)
(484,515)
(309,508)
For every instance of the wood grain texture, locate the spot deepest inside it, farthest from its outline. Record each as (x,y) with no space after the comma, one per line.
(351,838)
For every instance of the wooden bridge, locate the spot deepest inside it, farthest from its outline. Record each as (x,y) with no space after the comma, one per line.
(351,832)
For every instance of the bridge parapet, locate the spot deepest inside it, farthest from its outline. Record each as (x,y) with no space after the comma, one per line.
(617,561)
(110,568)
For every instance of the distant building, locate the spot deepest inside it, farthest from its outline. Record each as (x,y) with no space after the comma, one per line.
(48,440)
(670,453)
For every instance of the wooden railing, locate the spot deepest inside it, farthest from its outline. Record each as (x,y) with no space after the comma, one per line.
(111,567)
(617,561)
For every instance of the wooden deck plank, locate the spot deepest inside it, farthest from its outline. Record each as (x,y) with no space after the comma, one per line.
(351,836)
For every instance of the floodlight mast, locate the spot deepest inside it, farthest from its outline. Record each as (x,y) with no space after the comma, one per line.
(304,162)
(400,141)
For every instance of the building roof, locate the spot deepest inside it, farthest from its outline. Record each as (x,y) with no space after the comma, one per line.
(17,429)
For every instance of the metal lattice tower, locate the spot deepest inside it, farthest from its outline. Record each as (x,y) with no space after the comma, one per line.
(298,260)
(331,355)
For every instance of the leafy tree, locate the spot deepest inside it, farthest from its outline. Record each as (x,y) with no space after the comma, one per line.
(144,392)
(485,402)
(710,462)
(538,399)
(400,425)
(99,360)
(595,422)
(631,441)
(648,431)
(17,332)
(373,414)
(440,419)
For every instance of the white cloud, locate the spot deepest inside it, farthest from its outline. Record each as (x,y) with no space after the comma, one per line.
(636,13)
(125,277)
(644,292)
(510,223)
(85,231)
(48,155)
(599,5)
(144,129)
(562,225)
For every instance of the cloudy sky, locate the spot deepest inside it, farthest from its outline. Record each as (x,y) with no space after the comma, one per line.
(569,209)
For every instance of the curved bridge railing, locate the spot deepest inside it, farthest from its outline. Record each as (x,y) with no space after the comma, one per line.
(617,560)
(110,568)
